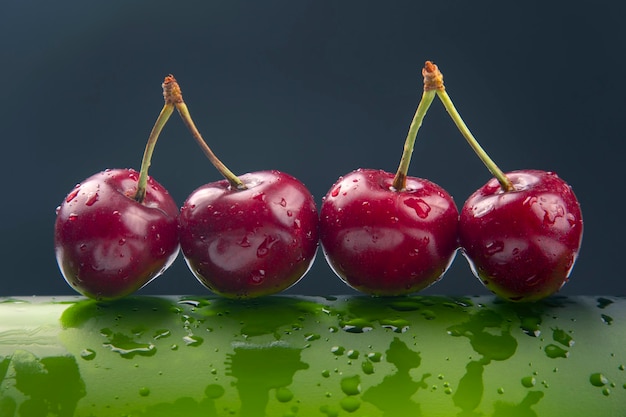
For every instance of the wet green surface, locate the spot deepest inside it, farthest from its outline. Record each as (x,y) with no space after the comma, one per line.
(313,356)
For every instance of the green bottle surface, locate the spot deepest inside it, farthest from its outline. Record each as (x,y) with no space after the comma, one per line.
(313,356)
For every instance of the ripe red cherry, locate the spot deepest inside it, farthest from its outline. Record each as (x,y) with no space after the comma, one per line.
(387,242)
(118,229)
(108,244)
(522,243)
(522,231)
(387,234)
(248,236)
(251,242)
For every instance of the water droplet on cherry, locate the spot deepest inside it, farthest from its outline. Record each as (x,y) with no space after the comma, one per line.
(92,197)
(73,194)
(422,209)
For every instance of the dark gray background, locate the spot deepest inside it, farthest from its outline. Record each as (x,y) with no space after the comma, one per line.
(315,89)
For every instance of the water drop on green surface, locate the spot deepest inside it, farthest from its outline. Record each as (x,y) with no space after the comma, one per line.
(367,367)
(87,354)
(606,392)
(338,350)
(357,325)
(395,325)
(606,319)
(330,412)
(284,394)
(144,391)
(603,302)
(311,336)
(559,335)
(326,373)
(126,347)
(554,351)
(350,404)
(161,333)
(351,385)
(529,381)
(374,356)
(429,314)
(192,340)
(530,325)
(352,354)
(214,391)
(598,380)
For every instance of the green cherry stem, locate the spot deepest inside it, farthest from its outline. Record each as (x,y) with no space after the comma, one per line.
(164,116)
(428,95)
(173,94)
(433,71)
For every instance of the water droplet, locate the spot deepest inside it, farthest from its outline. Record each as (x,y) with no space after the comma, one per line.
(500,390)
(192,340)
(357,325)
(326,373)
(608,320)
(337,350)
(284,395)
(421,208)
(87,354)
(161,333)
(257,277)
(395,325)
(311,336)
(529,381)
(429,314)
(554,351)
(72,217)
(603,302)
(492,248)
(335,192)
(559,335)
(350,404)
(351,385)
(283,202)
(367,367)
(352,354)
(374,356)
(144,391)
(122,242)
(214,391)
(265,246)
(92,197)
(72,194)
(598,380)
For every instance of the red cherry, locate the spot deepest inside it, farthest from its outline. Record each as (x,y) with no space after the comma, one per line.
(522,231)
(387,242)
(522,243)
(387,234)
(117,230)
(251,242)
(108,244)
(247,236)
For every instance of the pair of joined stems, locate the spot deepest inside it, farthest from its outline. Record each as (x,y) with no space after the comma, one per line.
(174,100)
(433,85)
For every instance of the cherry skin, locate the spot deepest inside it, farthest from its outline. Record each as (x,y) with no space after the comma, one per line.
(386,242)
(522,244)
(245,243)
(107,244)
